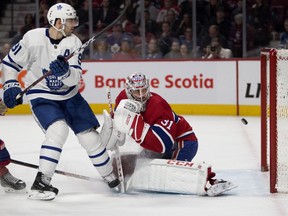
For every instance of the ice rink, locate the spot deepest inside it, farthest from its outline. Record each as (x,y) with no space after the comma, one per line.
(232,148)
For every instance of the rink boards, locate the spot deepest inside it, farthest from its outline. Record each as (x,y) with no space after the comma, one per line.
(225,87)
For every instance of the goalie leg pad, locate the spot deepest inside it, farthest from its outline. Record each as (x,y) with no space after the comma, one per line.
(116,138)
(110,135)
(106,130)
(170,176)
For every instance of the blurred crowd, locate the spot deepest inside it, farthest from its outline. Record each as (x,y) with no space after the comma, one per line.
(168,28)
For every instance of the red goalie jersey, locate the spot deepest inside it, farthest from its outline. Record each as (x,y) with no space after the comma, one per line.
(166,127)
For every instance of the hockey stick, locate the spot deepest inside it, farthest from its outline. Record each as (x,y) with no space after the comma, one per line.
(56,171)
(116,150)
(77,51)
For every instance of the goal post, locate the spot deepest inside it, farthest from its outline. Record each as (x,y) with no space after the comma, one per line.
(274,117)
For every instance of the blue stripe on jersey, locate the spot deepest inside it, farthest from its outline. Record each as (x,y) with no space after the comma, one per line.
(176,118)
(11,66)
(52,148)
(102,164)
(40,91)
(11,60)
(49,159)
(164,136)
(76,66)
(98,155)
(187,133)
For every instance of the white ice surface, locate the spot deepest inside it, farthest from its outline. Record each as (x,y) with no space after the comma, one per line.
(231,147)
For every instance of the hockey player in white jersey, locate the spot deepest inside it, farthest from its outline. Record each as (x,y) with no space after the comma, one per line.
(55,102)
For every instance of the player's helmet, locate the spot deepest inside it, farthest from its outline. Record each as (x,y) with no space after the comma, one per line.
(137,87)
(62,11)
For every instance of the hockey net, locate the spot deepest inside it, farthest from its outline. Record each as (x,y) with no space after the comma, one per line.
(274,117)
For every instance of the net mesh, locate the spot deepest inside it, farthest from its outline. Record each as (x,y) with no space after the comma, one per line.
(282,120)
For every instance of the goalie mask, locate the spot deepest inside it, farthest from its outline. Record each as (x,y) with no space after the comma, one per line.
(137,88)
(64,12)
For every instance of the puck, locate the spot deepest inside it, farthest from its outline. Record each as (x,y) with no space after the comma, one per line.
(244,121)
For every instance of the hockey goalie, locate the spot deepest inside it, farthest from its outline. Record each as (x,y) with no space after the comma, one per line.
(168,141)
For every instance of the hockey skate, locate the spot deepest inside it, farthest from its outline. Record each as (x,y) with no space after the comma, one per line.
(12,184)
(42,189)
(218,187)
(111,180)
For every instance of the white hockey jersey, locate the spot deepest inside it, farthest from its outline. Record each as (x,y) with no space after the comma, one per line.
(35,52)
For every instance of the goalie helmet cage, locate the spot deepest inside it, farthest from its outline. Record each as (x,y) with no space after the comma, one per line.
(274,117)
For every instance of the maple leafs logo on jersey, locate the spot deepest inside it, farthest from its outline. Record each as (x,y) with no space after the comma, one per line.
(52,81)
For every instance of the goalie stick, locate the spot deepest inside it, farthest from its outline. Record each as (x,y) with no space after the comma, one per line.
(77,51)
(116,150)
(56,171)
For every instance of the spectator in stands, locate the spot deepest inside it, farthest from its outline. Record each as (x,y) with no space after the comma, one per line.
(185,7)
(105,15)
(237,9)
(151,10)
(187,38)
(102,50)
(151,27)
(29,24)
(185,22)
(153,51)
(259,18)
(222,23)
(168,5)
(5,50)
(284,36)
(43,21)
(165,38)
(97,3)
(172,19)
(128,26)
(174,52)
(236,36)
(216,51)
(117,35)
(184,52)
(83,12)
(29,21)
(82,31)
(126,51)
(210,11)
(43,9)
(213,31)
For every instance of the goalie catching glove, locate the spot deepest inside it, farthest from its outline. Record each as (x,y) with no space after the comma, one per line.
(128,120)
(110,136)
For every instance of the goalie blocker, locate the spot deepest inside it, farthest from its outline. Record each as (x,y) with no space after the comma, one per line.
(174,176)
